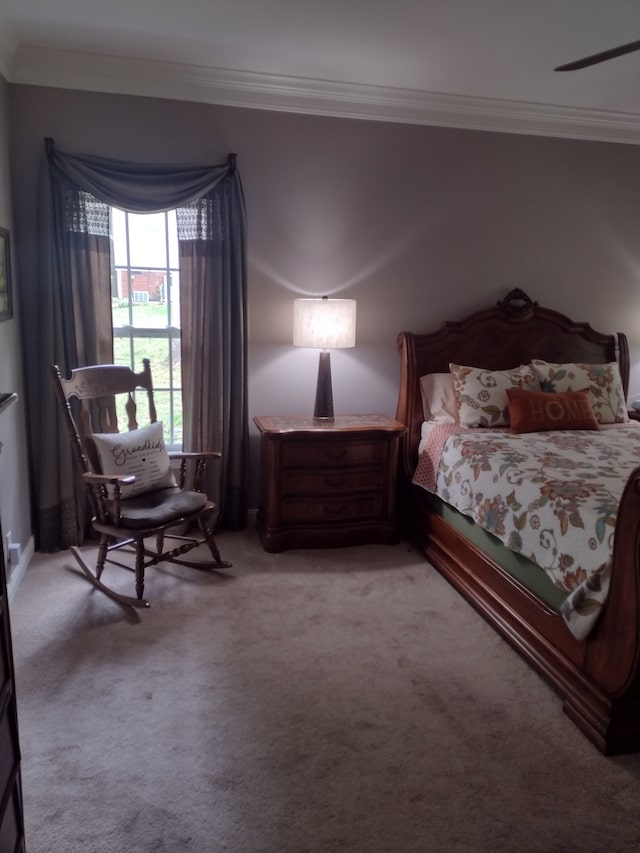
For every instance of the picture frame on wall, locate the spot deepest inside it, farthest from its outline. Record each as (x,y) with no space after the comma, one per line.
(6,301)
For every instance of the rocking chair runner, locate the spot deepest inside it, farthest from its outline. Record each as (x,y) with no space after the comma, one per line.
(132,489)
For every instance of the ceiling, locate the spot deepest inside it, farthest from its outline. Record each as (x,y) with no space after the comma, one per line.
(484,64)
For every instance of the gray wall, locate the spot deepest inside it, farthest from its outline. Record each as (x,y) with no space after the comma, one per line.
(14,502)
(419,224)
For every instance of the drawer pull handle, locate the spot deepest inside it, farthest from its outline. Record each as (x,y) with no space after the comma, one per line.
(337,510)
(334,482)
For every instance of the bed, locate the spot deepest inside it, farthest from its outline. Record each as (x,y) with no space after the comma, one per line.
(597,676)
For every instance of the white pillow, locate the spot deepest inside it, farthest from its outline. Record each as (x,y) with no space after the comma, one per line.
(482,394)
(602,380)
(141,452)
(439,402)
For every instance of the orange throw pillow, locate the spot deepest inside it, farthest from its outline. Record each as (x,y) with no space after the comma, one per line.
(540,411)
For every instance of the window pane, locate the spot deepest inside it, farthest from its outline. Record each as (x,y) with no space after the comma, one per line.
(146,309)
(147,240)
(149,309)
(157,351)
(173,298)
(122,352)
(119,243)
(174,259)
(169,414)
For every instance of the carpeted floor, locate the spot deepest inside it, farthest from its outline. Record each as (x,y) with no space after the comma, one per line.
(304,702)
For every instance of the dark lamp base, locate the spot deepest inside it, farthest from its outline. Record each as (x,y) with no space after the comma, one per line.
(323,409)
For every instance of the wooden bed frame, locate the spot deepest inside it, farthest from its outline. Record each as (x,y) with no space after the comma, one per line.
(598,678)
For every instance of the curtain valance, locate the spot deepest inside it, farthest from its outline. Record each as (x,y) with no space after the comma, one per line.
(138,187)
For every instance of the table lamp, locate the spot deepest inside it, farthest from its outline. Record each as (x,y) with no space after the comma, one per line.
(324,324)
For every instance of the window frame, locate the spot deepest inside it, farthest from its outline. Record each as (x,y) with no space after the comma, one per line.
(131,333)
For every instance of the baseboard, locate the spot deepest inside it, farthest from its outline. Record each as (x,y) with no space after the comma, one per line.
(17,573)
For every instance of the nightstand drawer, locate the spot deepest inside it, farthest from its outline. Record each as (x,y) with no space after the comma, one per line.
(318,453)
(327,485)
(332,510)
(332,481)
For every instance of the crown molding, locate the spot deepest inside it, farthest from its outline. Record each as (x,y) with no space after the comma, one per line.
(118,75)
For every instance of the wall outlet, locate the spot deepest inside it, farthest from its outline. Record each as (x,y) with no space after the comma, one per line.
(13,551)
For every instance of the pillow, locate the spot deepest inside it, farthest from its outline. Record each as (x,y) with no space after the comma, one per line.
(439,398)
(141,452)
(482,394)
(539,411)
(602,380)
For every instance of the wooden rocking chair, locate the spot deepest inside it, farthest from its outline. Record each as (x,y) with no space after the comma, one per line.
(131,485)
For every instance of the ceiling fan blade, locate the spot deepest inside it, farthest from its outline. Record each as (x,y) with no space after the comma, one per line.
(600,57)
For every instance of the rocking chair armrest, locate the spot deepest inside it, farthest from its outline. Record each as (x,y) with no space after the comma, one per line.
(199,459)
(109,479)
(99,495)
(205,454)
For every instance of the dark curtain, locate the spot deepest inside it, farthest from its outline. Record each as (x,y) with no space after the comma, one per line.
(211,242)
(71,326)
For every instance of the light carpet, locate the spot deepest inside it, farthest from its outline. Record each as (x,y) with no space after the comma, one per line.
(303,702)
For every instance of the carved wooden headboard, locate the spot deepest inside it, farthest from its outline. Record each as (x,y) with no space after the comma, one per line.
(512,332)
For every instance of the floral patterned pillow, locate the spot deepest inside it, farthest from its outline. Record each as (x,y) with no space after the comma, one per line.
(602,380)
(482,394)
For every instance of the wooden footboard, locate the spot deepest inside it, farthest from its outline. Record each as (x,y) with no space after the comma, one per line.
(612,659)
(597,678)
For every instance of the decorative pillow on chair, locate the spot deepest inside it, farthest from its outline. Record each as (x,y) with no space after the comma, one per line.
(141,452)
(602,380)
(482,394)
(540,411)
(439,402)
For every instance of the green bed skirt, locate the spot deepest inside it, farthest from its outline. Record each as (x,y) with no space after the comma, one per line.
(523,570)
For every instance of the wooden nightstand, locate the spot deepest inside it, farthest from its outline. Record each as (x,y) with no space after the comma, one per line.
(328,486)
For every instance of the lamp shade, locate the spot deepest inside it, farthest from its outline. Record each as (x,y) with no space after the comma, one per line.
(324,323)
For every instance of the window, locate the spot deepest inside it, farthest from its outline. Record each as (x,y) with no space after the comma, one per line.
(145,312)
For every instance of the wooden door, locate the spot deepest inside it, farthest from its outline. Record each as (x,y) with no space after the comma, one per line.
(11,812)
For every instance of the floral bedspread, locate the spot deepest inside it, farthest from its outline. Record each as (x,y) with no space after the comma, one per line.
(550,496)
